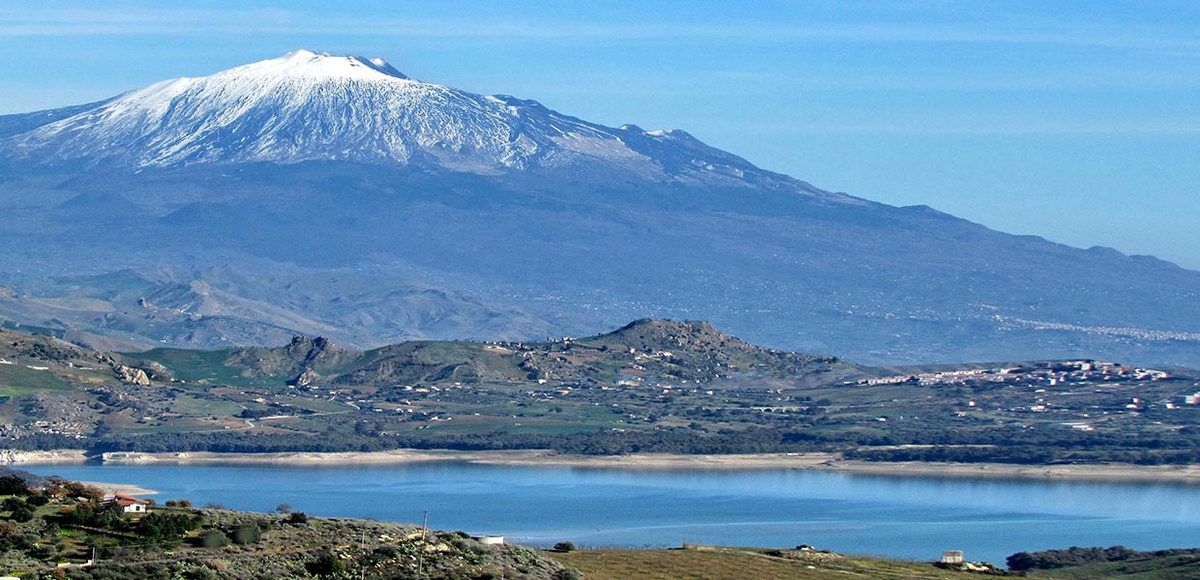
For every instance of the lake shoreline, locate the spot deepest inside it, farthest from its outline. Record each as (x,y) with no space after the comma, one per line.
(120,488)
(648,461)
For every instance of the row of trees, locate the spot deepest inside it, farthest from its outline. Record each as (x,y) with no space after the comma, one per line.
(1029,455)
(663,440)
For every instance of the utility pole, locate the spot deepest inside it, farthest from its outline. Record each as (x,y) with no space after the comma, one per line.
(362,547)
(421,554)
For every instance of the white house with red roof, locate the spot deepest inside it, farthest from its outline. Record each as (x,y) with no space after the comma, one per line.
(129,504)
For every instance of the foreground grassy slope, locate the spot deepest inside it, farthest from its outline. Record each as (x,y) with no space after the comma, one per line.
(739,563)
(736,563)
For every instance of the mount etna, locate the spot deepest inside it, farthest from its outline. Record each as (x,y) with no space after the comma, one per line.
(333,195)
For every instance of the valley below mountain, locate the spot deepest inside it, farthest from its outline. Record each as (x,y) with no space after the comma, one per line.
(652,386)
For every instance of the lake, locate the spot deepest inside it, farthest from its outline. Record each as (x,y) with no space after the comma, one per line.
(906,517)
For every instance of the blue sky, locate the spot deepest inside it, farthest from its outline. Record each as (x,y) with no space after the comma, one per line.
(1076,121)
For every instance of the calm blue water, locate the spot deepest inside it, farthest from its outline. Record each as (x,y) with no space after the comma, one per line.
(905,517)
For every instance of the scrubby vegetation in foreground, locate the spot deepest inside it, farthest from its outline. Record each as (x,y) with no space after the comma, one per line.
(1076,562)
(64,529)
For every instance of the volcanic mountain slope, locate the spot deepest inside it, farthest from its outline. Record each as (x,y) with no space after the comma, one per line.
(399,209)
(662,349)
(307,106)
(131,310)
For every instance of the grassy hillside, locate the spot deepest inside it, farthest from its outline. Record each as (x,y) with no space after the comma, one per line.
(31,362)
(739,563)
(669,350)
(1115,561)
(1176,567)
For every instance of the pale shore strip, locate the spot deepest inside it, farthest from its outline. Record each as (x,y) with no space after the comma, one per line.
(51,456)
(115,488)
(809,461)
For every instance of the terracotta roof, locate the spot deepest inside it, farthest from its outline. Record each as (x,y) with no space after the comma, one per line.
(127,500)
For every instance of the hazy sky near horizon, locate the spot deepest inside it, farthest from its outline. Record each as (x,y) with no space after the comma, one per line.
(1075,121)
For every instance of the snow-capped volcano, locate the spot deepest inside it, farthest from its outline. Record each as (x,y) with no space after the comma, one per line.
(307,106)
(315,192)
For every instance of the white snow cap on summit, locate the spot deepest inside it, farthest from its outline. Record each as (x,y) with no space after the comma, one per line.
(307,63)
(314,106)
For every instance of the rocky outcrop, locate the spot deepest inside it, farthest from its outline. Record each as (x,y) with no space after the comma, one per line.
(304,379)
(157,371)
(290,361)
(131,375)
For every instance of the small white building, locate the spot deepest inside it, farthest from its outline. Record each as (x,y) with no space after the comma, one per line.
(952,557)
(130,504)
(491,540)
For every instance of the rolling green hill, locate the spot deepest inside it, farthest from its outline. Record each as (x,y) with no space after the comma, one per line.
(669,350)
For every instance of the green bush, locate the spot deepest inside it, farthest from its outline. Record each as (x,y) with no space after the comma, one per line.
(326,564)
(568,574)
(23,513)
(13,503)
(199,572)
(564,547)
(214,539)
(247,534)
(13,485)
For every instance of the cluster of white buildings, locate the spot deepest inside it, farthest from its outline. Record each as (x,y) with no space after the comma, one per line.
(1052,374)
